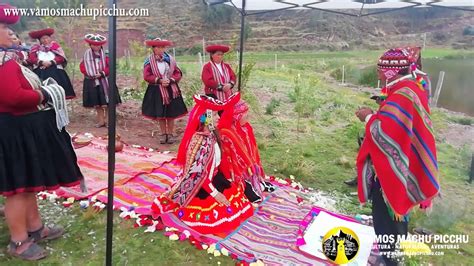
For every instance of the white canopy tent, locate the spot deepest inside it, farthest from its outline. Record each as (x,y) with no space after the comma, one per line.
(356,8)
(329,5)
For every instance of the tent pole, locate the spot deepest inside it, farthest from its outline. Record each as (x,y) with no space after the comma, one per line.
(241,50)
(111,132)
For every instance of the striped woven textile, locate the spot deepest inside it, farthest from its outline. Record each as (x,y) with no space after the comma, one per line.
(130,162)
(58,102)
(139,192)
(270,235)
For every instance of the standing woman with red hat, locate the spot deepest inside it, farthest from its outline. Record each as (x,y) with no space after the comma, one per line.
(95,67)
(35,151)
(217,76)
(163,100)
(49,60)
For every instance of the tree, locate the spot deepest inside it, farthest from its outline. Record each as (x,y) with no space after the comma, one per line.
(218,15)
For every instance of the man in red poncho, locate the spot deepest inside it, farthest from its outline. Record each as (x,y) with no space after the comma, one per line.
(397,166)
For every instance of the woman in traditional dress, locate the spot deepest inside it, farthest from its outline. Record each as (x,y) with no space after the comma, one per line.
(203,198)
(240,155)
(35,151)
(163,100)
(48,60)
(397,166)
(218,76)
(95,67)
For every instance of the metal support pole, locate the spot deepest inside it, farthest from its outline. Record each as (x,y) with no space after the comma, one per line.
(111,132)
(241,50)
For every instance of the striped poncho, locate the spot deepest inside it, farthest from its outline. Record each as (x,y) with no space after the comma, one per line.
(400,148)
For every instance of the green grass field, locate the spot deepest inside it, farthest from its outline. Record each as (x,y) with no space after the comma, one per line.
(305,127)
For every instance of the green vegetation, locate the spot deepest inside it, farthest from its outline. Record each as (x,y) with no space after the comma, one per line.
(305,127)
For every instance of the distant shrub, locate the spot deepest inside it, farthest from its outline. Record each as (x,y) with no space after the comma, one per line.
(369,77)
(467,121)
(218,15)
(195,49)
(274,103)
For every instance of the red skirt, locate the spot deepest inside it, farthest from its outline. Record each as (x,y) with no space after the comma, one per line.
(210,217)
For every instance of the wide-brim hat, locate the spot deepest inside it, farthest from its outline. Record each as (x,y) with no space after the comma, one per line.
(158,42)
(40,33)
(6,14)
(217,48)
(95,39)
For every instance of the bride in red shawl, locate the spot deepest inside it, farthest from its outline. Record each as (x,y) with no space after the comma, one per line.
(241,159)
(203,198)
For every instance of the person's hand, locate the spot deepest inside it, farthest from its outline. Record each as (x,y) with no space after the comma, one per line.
(221,199)
(44,96)
(98,76)
(363,112)
(46,63)
(165,82)
(227,87)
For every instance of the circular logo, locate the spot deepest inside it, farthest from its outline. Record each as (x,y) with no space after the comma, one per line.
(340,245)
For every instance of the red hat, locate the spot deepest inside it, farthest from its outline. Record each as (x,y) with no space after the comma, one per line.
(217,47)
(95,39)
(397,59)
(40,33)
(204,103)
(158,42)
(8,18)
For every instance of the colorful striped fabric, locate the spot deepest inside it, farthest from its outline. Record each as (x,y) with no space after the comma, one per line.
(400,147)
(92,160)
(139,192)
(271,234)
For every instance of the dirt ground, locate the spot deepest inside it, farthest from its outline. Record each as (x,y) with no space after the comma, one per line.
(131,125)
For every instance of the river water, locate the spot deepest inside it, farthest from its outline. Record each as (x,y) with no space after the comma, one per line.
(457,93)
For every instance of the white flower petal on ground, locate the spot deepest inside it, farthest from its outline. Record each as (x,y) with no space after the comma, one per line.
(174,237)
(224,252)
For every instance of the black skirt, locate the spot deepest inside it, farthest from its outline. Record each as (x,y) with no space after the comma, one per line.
(60,76)
(153,107)
(35,155)
(94,95)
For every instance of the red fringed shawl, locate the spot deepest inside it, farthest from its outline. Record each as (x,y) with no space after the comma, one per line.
(240,157)
(400,147)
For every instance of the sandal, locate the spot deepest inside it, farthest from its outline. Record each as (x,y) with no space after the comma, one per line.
(32,252)
(47,233)
(164,139)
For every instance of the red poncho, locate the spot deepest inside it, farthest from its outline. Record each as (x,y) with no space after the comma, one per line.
(400,147)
